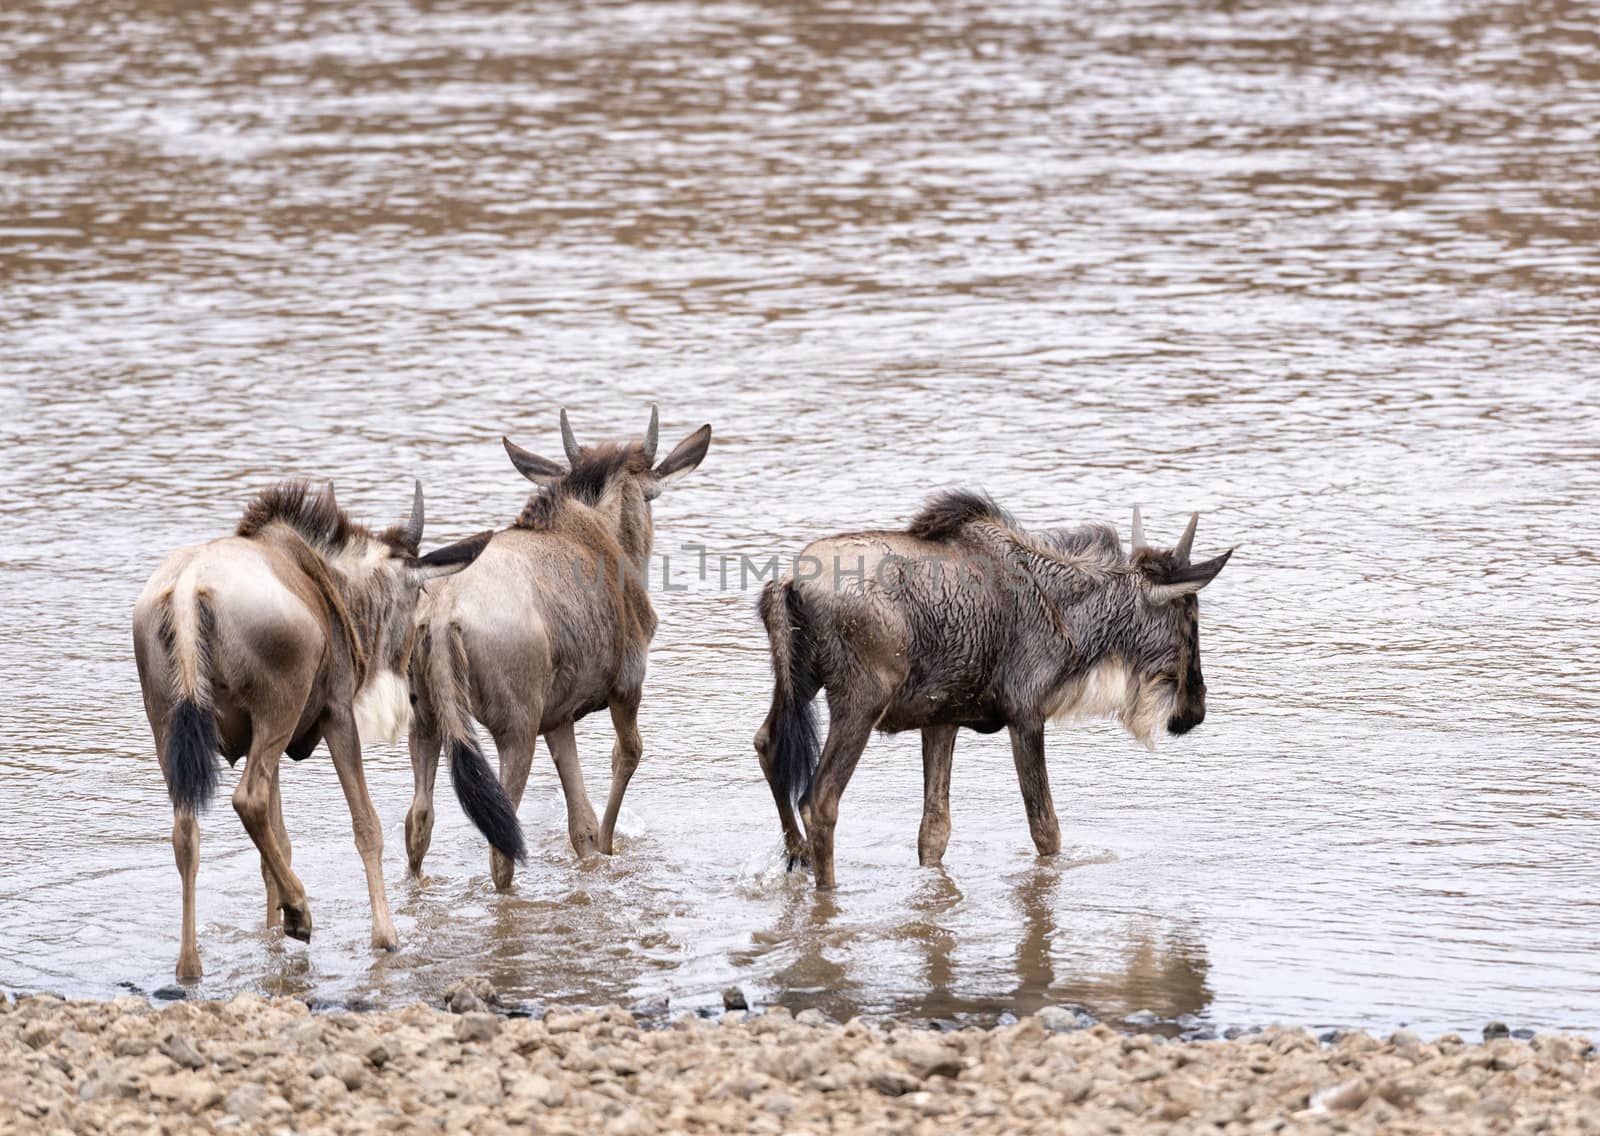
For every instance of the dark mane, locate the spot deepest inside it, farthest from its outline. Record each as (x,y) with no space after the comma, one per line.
(945,513)
(585,482)
(306,509)
(1098,539)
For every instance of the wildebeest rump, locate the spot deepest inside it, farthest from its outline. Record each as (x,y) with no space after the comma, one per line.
(967,619)
(294,630)
(554,622)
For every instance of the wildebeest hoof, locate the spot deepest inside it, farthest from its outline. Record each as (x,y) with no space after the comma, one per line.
(385,940)
(189,968)
(297,923)
(500,870)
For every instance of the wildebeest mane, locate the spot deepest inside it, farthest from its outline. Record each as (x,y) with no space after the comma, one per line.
(1096,539)
(945,514)
(306,509)
(323,529)
(587,481)
(1091,548)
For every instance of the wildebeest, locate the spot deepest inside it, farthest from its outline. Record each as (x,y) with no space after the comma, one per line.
(967,619)
(294,630)
(553,622)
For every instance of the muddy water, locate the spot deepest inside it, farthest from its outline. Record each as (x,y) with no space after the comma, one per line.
(1327,272)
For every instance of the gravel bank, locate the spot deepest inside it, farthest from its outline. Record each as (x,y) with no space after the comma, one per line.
(253,1065)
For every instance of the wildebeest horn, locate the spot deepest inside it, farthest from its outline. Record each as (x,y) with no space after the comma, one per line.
(1186,542)
(413,529)
(651,436)
(1138,531)
(568,440)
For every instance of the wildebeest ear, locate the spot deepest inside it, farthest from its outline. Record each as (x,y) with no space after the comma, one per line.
(540,471)
(451,558)
(1184,579)
(685,456)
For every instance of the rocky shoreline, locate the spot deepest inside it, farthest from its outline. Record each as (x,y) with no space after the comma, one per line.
(257,1065)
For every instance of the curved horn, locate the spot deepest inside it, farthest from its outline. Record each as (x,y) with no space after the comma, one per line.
(1186,542)
(413,529)
(1138,531)
(652,436)
(568,441)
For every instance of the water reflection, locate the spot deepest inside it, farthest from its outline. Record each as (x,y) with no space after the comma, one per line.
(834,964)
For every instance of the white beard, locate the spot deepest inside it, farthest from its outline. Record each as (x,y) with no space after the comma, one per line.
(383,708)
(1112,690)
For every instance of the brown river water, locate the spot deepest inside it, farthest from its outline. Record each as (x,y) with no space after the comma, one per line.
(1327,272)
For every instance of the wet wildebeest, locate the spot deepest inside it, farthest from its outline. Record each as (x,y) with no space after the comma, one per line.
(296,629)
(967,619)
(552,623)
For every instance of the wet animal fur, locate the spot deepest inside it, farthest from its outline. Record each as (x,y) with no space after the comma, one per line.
(554,624)
(977,622)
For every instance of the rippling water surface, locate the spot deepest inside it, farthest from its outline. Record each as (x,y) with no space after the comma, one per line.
(1325,271)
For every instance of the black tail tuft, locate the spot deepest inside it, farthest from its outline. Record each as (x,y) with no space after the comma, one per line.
(484,799)
(795,749)
(191,752)
(795,744)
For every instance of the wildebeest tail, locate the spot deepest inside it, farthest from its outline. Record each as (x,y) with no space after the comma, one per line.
(482,796)
(792,741)
(189,740)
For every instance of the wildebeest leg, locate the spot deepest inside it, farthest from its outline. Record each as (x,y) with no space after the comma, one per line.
(849,727)
(186,850)
(425,742)
(581,823)
(794,841)
(516,748)
(274,913)
(1027,748)
(625,755)
(938,749)
(252,800)
(345,746)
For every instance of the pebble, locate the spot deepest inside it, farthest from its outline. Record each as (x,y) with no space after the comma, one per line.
(182,1051)
(477,1027)
(1063,1018)
(257,1065)
(470,995)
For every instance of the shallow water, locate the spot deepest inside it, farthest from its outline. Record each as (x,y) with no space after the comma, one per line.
(1326,272)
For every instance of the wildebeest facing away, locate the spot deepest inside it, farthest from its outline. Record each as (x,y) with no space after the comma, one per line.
(553,622)
(967,619)
(296,629)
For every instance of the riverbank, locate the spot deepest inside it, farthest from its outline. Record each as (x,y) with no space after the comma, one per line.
(254,1065)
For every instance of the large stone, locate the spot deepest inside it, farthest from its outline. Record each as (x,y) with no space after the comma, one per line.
(1060,1018)
(925,1058)
(1346,1096)
(108,1084)
(190,1090)
(182,1051)
(471,995)
(346,1068)
(477,1026)
(251,1101)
